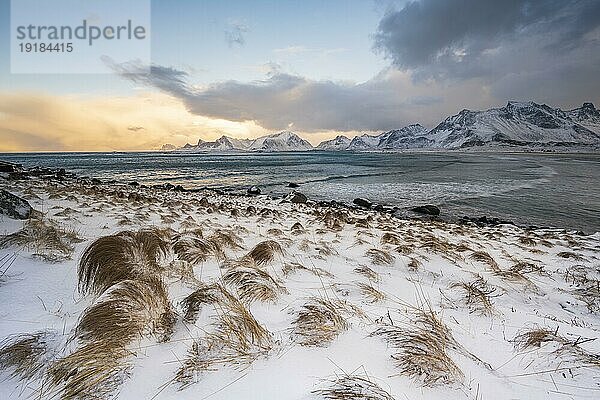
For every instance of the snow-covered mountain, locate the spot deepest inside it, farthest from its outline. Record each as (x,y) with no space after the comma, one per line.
(282,141)
(363,142)
(518,123)
(340,142)
(409,137)
(587,115)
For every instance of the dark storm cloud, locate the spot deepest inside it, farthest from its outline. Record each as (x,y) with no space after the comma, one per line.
(469,38)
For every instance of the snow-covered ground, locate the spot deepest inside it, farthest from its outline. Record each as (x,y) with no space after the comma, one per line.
(336,302)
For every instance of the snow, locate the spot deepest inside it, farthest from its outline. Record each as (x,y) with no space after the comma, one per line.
(36,295)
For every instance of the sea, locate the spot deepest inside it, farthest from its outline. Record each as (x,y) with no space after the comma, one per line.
(530,189)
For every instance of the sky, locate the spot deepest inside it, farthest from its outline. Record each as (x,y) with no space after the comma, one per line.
(318,68)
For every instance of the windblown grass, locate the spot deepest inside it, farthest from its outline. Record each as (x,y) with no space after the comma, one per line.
(320,321)
(25,356)
(391,238)
(192,303)
(237,339)
(46,239)
(290,268)
(352,387)
(423,349)
(563,348)
(124,256)
(476,295)
(253,284)
(94,371)
(380,257)
(370,293)
(264,252)
(127,311)
(195,250)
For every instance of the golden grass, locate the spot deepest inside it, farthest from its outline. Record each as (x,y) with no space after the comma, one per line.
(319,322)
(367,272)
(94,371)
(370,293)
(422,349)
(391,238)
(380,257)
(195,250)
(128,310)
(290,268)
(253,284)
(192,303)
(352,387)
(46,239)
(238,339)
(124,256)
(476,295)
(25,356)
(264,252)
(563,348)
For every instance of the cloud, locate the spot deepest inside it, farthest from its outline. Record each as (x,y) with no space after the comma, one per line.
(235,33)
(486,38)
(41,122)
(389,100)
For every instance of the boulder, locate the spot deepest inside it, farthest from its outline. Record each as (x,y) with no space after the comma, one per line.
(254,191)
(293,185)
(427,209)
(297,197)
(362,202)
(14,206)
(7,167)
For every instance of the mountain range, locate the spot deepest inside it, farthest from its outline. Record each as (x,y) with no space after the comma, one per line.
(518,124)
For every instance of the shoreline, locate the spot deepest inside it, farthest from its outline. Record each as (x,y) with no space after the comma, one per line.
(403,213)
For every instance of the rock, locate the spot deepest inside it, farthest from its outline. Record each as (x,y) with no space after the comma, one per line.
(61,172)
(95,181)
(254,191)
(179,188)
(362,202)
(378,208)
(134,183)
(7,167)
(293,185)
(298,198)
(427,209)
(14,206)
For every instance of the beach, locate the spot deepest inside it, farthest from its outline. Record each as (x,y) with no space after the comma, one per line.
(130,291)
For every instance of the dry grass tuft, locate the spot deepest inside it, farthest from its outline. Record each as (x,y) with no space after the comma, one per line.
(380,257)
(485,258)
(563,348)
(124,256)
(422,349)
(391,238)
(238,339)
(253,284)
(353,387)
(370,293)
(192,303)
(367,272)
(195,250)
(226,239)
(297,229)
(290,268)
(264,252)
(94,371)
(414,264)
(127,311)
(477,295)
(319,322)
(25,356)
(45,238)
